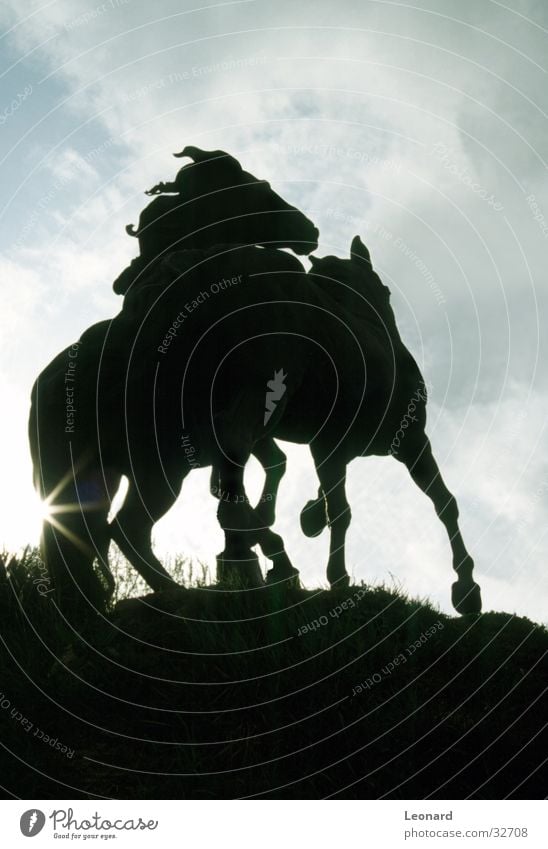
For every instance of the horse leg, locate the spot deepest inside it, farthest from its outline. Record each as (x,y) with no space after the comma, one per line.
(242,565)
(465,593)
(314,515)
(274,462)
(131,530)
(273,547)
(237,563)
(332,476)
(69,561)
(71,540)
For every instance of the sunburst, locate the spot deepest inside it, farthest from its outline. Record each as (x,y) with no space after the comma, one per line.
(52,511)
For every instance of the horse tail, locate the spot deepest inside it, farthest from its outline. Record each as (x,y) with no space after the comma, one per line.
(69,473)
(34,441)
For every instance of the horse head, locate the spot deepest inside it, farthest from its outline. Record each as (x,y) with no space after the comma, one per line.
(355,285)
(218,202)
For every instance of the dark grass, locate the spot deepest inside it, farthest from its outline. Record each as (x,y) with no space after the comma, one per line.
(222,694)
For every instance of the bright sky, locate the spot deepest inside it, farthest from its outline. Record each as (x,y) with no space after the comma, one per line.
(420,126)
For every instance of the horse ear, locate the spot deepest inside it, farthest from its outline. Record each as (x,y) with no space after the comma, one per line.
(358,251)
(313,259)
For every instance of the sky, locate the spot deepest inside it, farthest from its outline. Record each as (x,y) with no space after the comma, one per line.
(421,127)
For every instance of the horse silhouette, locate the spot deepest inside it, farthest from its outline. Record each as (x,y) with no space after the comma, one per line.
(383,414)
(351,387)
(315,359)
(214,201)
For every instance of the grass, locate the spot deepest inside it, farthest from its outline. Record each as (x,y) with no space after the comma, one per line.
(213,693)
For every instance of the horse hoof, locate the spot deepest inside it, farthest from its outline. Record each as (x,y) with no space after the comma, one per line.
(289,578)
(313,518)
(341,583)
(466,598)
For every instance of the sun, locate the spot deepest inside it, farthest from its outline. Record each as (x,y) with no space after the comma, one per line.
(42,510)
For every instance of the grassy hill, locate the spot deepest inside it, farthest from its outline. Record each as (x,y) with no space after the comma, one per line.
(211,693)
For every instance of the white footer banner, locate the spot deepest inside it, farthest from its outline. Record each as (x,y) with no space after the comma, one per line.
(210,824)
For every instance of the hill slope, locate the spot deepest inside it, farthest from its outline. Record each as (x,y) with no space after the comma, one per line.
(206,693)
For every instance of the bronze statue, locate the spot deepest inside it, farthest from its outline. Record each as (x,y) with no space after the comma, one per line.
(223,344)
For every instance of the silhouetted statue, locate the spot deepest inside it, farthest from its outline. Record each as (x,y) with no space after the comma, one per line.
(213,201)
(220,348)
(319,352)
